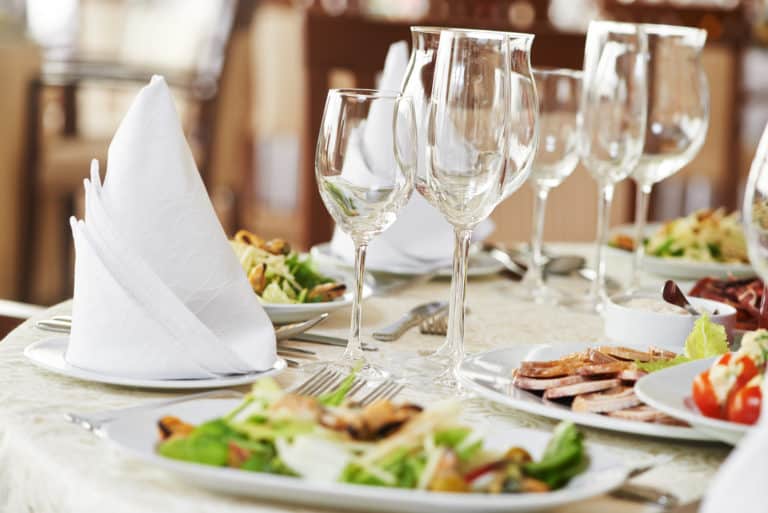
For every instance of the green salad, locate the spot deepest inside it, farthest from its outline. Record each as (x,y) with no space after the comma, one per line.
(383,444)
(280,275)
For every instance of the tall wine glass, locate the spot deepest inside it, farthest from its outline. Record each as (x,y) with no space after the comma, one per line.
(755,209)
(467,146)
(678,116)
(365,164)
(559,93)
(613,110)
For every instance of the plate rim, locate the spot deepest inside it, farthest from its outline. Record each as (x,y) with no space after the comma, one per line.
(692,417)
(583,419)
(476,272)
(413,498)
(59,343)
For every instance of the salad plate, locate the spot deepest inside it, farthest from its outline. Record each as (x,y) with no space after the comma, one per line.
(489,374)
(296,312)
(689,248)
(49,354)
(480,264)
(669,390)
(136,434)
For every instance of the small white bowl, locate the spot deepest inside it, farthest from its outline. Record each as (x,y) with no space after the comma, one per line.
(638,327)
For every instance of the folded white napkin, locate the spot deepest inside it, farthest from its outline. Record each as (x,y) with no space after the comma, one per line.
(420,239)
(159,293)
(739,484)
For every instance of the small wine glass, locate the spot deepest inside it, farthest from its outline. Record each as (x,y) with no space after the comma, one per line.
(559,93)
(678,117)
(467,148)
(755,209)
(365,165)
(613,113)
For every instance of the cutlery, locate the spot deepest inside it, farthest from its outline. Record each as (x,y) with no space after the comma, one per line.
(674,296)
(412,318)
(516,269)
(643,493)
(564,265)
(327,340)
(435,325)
(94,421)
(63,324)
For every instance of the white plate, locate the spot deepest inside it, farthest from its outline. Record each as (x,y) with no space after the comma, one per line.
(489,374)
(49,355)
(136,433)
(669,390)
(677,267)
(480,264)
(282,314)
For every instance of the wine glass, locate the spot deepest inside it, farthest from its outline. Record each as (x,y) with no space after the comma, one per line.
(678,116)
(467,148)
(755,209)
(559,93)
(613,113)
(364,164)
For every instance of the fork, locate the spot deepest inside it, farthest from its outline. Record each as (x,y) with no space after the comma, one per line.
(329,380)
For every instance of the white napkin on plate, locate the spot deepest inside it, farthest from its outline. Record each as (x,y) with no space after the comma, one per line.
(159,293)
(420,239)
(739,484)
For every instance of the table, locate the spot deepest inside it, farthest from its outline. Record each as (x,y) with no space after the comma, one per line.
(48,465)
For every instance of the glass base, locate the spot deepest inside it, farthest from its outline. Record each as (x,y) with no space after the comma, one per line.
(586,304)
(544,295)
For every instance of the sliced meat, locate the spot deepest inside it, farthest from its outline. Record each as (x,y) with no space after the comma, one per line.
(546,369)
(614,399)
(603,369)
(631,374)
(658,353)
(527,383)
(626,353)
(595,356)
(642,413)
(668,420)
(581,388)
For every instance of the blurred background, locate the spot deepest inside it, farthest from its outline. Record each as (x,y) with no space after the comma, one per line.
(250,79)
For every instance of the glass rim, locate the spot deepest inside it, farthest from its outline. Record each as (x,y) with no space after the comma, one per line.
(366,93)
(433,29)
(554,70)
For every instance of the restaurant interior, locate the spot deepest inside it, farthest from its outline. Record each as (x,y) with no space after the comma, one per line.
(249,80)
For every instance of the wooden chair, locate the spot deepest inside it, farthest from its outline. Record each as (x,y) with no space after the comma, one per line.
(57,163)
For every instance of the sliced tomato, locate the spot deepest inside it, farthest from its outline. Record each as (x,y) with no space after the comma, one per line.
(705,398)
(744,405)
(748,371)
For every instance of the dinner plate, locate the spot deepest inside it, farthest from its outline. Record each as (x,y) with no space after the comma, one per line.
(136,433)
(669,390)
(679,268)
(49,353)
(489,374)
(286,313)
(480,264)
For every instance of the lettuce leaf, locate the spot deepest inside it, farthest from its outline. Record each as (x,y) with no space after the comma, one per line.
(706,339)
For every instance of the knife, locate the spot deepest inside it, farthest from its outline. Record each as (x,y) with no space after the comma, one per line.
(412,318)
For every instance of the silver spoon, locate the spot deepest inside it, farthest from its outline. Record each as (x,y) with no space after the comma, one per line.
(674,296)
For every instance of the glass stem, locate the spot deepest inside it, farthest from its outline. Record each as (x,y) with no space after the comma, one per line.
(537,258)
(354,351)
(641,215)
(455,338)
(605,191)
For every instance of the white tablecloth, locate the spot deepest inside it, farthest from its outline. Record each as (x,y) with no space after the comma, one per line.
(48,465)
